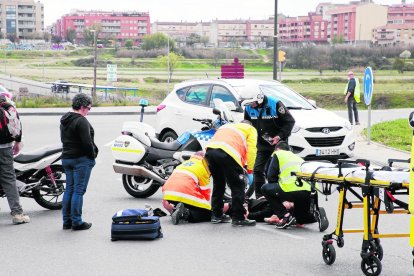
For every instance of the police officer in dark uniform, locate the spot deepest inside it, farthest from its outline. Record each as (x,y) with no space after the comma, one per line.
(274,123)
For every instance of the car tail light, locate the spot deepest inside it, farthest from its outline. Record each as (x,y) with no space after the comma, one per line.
(161,107)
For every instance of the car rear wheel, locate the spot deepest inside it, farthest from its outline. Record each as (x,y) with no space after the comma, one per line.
(169,136)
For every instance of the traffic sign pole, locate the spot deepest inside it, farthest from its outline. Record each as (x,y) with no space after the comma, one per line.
(368,90)
(369,124)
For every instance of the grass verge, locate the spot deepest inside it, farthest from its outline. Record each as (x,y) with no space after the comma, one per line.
(396,134)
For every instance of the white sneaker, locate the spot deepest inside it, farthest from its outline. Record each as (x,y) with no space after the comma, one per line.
(21,218)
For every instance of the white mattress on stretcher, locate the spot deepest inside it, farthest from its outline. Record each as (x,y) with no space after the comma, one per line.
(355,172)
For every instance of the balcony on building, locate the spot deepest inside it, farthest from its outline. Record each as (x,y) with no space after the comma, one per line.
(25,9)
(111,23)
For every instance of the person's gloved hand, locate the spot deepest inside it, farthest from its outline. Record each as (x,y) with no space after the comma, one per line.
(250,177)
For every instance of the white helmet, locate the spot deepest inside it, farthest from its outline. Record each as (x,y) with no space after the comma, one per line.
(258,98)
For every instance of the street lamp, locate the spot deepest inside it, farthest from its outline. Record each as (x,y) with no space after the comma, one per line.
(275,54)
(94,64)
(168,59)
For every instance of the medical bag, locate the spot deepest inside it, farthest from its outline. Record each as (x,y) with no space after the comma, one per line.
(135,224)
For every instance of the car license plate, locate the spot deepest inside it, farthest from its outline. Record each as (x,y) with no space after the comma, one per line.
(327,151)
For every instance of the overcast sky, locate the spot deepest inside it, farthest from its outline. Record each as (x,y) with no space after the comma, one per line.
(191,10)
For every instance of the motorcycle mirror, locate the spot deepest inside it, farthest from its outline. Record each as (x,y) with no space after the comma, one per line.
(216,111)
(411,119)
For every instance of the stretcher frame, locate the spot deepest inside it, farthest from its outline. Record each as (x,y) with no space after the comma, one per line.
(373,192)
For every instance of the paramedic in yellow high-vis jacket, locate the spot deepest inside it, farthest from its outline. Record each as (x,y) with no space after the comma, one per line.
(283,187)
(188,188)
(232,147)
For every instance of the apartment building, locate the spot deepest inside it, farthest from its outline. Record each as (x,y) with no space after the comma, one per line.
(21,18)
(401,14)
(399,28)
(181,31)
(118,25)
(223,33)
(260,31)
(394,34)
(312,28)
(354,23)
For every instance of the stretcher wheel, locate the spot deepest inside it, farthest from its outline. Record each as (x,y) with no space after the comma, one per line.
(328,254)
(371,266)
(340,242)
(380,252)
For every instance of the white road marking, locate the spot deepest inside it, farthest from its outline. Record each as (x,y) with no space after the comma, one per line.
(271,229)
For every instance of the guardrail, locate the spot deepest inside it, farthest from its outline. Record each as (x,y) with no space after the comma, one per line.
(14,84)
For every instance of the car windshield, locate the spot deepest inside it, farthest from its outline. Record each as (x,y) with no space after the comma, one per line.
(289,98)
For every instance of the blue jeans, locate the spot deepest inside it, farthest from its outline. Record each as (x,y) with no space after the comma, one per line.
(78,172)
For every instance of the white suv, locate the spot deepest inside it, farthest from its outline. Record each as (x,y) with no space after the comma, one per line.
(317,134)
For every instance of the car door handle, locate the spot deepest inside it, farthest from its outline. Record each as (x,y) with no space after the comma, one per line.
(178,113)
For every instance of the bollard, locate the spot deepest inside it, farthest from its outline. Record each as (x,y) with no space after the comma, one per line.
(143,103)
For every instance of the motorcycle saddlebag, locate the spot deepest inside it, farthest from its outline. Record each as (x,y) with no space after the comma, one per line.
(135,224)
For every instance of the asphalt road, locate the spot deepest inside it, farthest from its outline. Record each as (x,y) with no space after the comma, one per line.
(43,248)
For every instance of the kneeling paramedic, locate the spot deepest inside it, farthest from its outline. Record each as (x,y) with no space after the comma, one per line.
(283,186)
(232,147)
(187,192)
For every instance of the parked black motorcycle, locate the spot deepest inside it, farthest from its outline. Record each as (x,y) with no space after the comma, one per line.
(39,176)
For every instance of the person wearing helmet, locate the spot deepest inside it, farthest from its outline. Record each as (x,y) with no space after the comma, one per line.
(273,123)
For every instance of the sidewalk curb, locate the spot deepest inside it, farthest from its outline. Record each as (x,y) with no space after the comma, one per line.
(90,114)
(384,146)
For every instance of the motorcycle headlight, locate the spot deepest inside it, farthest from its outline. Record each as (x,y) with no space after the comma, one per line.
(348,125)
(295,129)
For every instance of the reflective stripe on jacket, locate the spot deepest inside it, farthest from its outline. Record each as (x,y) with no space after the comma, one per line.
(288,163)
(237,140)
(190,184)
(357,91)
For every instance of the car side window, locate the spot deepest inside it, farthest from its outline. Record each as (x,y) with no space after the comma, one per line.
(197,94)
(181,93)
(220,92)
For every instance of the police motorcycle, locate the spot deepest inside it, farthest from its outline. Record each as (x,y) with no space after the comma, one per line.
(146,163)
(40,176)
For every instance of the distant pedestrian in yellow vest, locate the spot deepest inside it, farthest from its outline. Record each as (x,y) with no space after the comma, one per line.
(352,94)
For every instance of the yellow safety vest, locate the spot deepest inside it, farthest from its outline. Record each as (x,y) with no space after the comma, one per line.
(288,163)
(357,91)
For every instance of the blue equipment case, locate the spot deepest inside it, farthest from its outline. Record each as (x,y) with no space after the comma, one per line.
(135,224)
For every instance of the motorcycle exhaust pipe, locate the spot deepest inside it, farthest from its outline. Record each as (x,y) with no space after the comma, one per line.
(137,171)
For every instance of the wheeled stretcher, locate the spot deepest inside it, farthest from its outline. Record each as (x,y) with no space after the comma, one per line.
(370,188)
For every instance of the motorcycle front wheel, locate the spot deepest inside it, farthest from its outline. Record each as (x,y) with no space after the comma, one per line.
(139,187)
(48,196)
